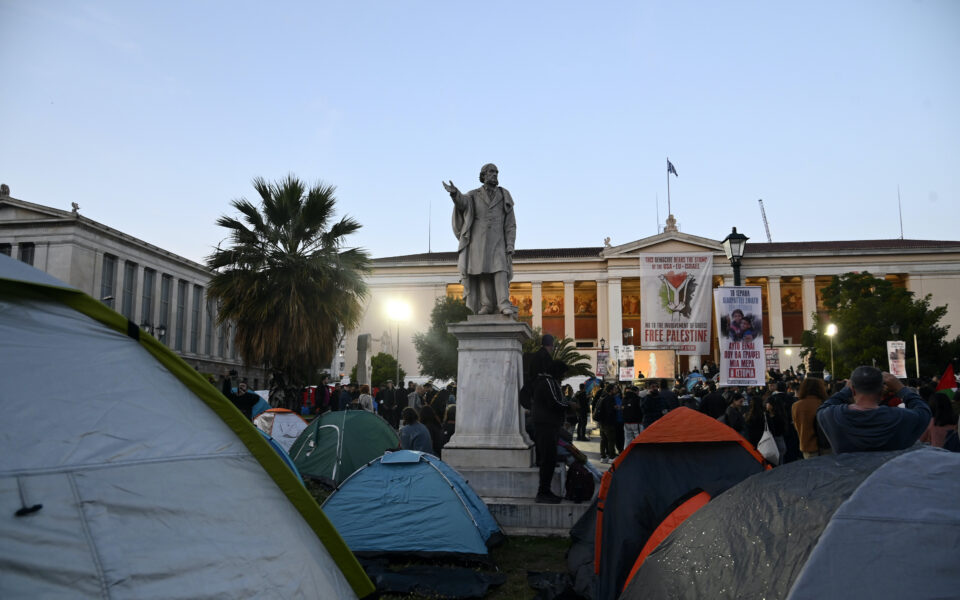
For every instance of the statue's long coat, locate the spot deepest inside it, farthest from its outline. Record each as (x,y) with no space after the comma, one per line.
(487,231)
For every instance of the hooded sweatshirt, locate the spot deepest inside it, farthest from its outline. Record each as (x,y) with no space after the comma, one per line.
(882,428)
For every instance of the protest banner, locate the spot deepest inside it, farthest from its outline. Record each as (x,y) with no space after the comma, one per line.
(675,302)
(773,358)
(740,333)
(625,363)
(602,357)
(897,355)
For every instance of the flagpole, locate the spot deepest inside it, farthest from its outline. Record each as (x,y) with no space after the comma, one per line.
(900,210)
(658,207)
(669,209)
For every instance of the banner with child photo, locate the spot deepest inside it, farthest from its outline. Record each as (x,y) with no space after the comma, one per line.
(740,333)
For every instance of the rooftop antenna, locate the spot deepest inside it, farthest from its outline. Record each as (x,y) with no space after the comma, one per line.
(900,208)
(766,226)
(430,227)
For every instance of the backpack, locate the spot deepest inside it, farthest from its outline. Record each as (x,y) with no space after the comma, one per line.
(580,483)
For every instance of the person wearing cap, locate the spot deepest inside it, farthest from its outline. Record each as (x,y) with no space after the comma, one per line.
(548,410)
(858,418)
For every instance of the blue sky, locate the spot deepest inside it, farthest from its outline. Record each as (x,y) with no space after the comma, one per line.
(153,116)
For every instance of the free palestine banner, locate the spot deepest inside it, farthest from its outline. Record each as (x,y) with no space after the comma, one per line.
(740,332)
(675,302)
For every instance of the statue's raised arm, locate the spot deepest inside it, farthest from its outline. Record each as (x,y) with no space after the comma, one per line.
(485,225)
(451,189)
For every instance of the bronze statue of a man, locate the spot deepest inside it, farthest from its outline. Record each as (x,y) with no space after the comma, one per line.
(484,222)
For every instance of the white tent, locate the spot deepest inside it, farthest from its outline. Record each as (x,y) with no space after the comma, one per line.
(283,425)
(124,474)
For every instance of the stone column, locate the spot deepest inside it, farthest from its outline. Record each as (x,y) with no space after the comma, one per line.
(569,311)
(490,430)
(603,318)
(775,310)
(536,288)
(615,312)
(809,297)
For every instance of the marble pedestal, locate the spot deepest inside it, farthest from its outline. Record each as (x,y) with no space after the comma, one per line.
(491,448)
(490,431)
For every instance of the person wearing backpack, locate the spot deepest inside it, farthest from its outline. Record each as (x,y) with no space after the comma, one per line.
(605,414)
(548,410)
(632,415)
(812,393)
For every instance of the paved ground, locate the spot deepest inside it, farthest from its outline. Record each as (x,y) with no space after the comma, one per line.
(592,448)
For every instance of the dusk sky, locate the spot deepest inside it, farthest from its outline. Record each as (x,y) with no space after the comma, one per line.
(152,116)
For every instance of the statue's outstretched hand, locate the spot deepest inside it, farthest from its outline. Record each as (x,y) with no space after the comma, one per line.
(452,189)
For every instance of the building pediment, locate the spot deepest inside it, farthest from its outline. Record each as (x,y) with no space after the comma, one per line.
(12,210)
(670,241)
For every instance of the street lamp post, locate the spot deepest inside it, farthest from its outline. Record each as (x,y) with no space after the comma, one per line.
(733,246)
(398,310)
(831,331)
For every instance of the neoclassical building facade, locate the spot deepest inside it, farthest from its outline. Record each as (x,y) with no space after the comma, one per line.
(593,294)
(162,292)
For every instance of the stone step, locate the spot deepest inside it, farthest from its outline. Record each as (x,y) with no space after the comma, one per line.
(510,483)
(523,516)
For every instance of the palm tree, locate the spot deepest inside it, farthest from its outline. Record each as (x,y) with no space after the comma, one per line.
(286,280)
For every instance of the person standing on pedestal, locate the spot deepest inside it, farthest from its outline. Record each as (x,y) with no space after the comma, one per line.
(548,413)
(485,225)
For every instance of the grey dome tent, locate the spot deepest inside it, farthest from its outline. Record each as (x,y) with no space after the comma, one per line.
(859,525)
(337,443)
(125,474)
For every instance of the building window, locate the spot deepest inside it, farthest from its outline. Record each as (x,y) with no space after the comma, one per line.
(129,288)
(208,332)
(108,281)
(6,249)
(166,289)
(222,340)
(182,288)
(195,320)
(25,253)
(146,300)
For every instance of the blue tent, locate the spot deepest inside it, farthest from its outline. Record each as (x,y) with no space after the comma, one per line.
(411,503)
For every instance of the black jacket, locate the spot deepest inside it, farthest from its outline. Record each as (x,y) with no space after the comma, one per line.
(548,406)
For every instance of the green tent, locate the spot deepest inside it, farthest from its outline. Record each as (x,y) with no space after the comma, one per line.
(338,443)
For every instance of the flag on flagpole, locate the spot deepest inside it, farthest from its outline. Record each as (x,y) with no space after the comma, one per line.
(948,381)
(671,168)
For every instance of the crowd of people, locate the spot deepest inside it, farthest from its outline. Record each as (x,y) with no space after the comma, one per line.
(805,415)
(795,416)
(424,415)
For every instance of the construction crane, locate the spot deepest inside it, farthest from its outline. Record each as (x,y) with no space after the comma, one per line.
(766,225)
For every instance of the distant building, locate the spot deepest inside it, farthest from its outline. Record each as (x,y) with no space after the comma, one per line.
(160,291)
(593,294)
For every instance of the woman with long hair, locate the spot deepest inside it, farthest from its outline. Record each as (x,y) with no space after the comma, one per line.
(365,400)
(813,392)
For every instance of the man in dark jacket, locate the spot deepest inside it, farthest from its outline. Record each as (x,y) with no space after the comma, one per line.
(865,424)
(654,405)
(583,413)
(632,414)
(244,400)
(548,411)
(713,403)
